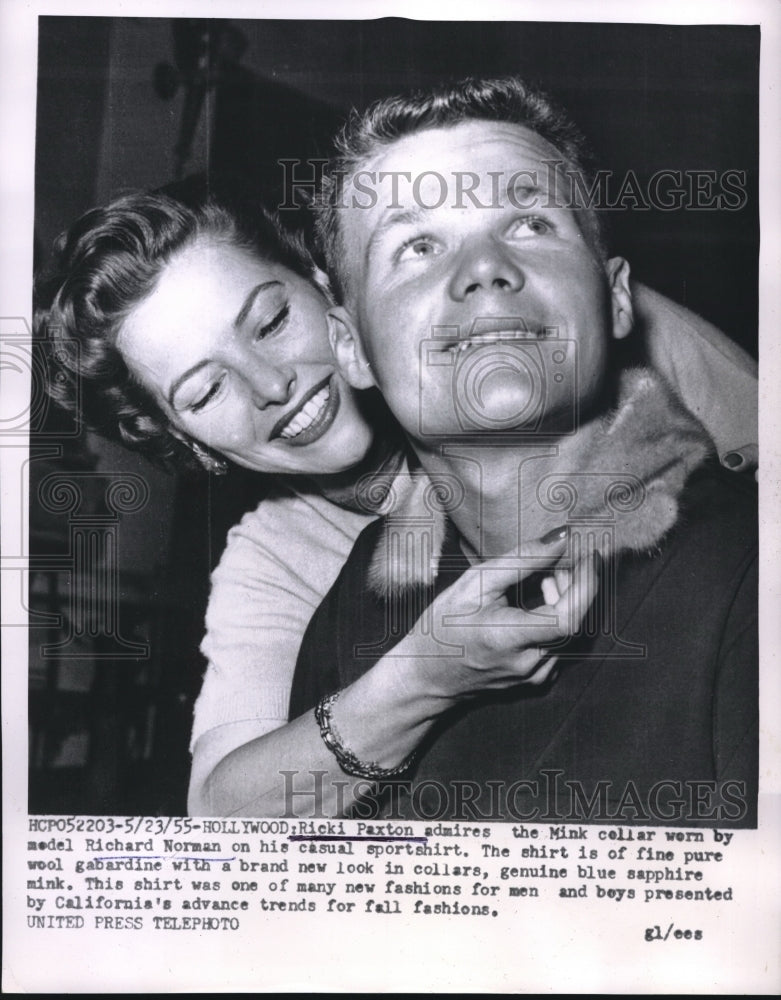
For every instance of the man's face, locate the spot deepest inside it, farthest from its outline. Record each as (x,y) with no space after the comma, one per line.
(484,313)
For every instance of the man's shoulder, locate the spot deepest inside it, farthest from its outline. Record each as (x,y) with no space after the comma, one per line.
(717,500)
(709,554)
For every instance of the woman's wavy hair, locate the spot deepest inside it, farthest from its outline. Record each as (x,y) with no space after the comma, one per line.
(106,264)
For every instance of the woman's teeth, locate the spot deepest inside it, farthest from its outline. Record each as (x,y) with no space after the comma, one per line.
(307,415)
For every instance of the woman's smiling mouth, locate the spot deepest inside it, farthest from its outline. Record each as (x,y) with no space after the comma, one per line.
(313,416)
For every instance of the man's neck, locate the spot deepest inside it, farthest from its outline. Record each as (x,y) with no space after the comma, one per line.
(618,478)
(493,484)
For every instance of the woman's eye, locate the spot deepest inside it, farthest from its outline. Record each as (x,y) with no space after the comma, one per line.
(417,249)
(532,226)
(275,324)
(210,394)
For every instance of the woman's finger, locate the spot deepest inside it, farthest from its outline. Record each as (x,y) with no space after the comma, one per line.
(550,589)
(495,576)
(578,597)
(545,670)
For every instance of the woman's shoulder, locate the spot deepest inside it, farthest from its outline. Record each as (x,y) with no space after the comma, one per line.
(291,537)
(288,509)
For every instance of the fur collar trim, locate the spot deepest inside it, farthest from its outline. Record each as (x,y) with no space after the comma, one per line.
(625,471)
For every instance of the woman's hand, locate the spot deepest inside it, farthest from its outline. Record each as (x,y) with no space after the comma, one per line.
(471,639)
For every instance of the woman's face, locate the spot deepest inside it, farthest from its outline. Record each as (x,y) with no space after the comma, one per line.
(235,350)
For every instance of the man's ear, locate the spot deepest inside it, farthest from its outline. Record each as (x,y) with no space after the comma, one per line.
(320,278)
(620,296)
(348,350)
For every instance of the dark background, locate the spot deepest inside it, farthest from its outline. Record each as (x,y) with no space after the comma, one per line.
(109,732)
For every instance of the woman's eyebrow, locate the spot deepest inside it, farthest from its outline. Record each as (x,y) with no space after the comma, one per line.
(250,300)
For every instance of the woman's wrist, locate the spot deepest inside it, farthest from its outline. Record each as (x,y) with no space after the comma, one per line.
(383,716)
(347,760)
(432,675)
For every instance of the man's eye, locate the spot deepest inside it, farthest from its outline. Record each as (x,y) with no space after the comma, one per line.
(211,393)
(275,324)
(417,249)
(532,225)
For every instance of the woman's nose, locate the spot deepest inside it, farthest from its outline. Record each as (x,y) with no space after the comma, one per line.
(270,384)
(485,265)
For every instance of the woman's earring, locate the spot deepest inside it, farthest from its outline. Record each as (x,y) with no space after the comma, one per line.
(216,466)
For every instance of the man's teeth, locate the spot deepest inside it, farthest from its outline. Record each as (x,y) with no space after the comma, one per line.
(496,336)
(307,415)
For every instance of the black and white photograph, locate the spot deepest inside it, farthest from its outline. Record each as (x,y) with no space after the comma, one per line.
(387,439)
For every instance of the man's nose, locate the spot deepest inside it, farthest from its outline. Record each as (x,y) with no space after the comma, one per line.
(270,384)
(485,265)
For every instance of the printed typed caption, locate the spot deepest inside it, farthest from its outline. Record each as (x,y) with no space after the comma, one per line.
(129,874)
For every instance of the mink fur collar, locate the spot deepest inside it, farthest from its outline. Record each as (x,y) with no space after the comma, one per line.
(627,469)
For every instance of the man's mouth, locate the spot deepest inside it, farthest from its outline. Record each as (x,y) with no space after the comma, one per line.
(497,331)
(312,417)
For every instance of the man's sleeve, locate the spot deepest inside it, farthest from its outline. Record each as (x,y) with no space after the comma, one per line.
(736,708)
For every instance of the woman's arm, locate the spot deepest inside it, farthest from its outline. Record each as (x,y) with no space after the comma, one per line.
(716,379)
(278,565)
(383,716)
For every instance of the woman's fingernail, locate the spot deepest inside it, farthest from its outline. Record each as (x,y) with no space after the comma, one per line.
(733,459)
(555,536)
